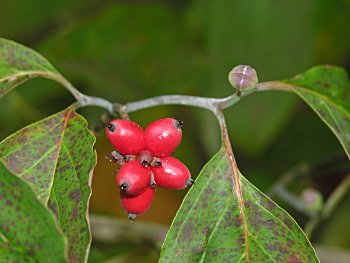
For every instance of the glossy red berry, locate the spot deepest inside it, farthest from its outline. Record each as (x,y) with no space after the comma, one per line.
(126,136)
(132,178)
(137,204)
(172,174)
(163,136)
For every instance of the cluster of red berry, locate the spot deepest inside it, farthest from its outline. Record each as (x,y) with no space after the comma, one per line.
(146,161)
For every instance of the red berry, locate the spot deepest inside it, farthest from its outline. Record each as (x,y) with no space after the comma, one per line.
(137,204)
(126,136)
(163,136)
(172,174)
(133,178)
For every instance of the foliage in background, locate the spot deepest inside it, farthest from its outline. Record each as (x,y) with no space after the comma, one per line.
(158,48)
(223,216)
(54,157)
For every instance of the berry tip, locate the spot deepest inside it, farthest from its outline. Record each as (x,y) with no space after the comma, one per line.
(189,182)
(124,186)
(179,124)
(111,127)
(131,217)
(144,163)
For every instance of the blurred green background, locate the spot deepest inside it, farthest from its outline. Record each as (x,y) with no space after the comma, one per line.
(130,50)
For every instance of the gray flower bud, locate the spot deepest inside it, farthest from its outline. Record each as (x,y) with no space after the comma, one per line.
(243,78)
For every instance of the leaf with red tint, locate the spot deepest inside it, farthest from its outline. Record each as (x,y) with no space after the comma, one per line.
(55,157)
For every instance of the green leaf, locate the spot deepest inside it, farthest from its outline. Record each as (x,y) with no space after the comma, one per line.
(211,227)
(55,157)
(326,89)
(28,232)
(19,64)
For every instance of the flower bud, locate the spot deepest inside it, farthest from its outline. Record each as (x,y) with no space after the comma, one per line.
(312,199)
(243,78)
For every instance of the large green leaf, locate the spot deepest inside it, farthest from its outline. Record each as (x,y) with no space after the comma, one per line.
(326,89)
(19,63)
(28,232)
(212,226)
(55,157)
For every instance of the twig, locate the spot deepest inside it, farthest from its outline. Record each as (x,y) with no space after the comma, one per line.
(288,177)
(121,109)
(294,201)
(336,196)
(82,99)
(96,101)
(211,104)
(274,85)
(280,188)
(332,202)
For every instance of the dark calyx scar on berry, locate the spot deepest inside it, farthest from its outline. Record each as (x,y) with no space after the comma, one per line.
(145,161)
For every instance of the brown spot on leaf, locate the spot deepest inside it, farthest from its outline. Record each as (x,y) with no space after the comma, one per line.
(208,191)
(294,259)
(238,220)
(75,195)
(290,242)
(204,204)
(241,240)
(188,232)
(22,139)
(288,222)
(74,213)
(205,231)
(283,250)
